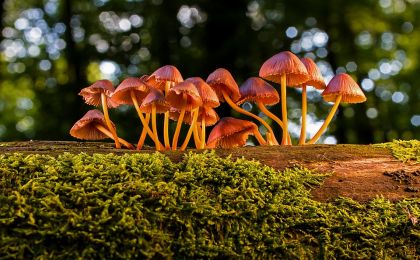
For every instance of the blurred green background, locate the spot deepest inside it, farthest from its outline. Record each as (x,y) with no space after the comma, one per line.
(50,49)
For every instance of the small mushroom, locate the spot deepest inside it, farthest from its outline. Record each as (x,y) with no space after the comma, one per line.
(92,126)
(153,103)
(315,80)
(341,88)
(164,78)
(209,99)
(185,97)
(231,132)
(262,93)
(132,91)
(99,93)
(286,69)
(227,90)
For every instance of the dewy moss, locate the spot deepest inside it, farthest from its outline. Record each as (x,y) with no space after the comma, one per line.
(144,206)
(403,150)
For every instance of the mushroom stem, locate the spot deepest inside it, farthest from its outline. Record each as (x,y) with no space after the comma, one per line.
(259,137)
(166,120)
(275,118)
(243,111)
(179,123)
(143,133)
(326,122)
(192,126)
(109,134)
(155,133)
(203,132)
(284,109)
(304,109)
(108,121)
(142,119)
(197,140)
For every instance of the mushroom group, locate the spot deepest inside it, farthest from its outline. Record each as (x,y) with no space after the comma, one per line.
(194,102)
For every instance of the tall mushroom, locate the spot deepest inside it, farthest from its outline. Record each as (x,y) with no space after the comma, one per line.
(155,102)
(262,93)
(341,88)
(315,80)
(92,126)
(231,132)
(99,93)
(227,90)
(132,91)
(185,97)
(209,100)
(286,69)
(164,78)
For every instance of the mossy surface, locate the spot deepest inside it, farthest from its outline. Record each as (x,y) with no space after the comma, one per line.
(145,205)
(404,151)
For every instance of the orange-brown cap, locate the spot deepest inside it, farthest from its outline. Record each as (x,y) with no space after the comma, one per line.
(230,132)
(257,90)
(344,85)
(286,63)
(207,94)
(157,98)
(85,127)
(122,94)
(209,113)
(162,75)
(315,77)
(92,94)
(183,90)
(221,80)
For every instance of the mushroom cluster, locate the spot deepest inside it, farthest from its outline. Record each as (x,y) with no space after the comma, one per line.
(193,102)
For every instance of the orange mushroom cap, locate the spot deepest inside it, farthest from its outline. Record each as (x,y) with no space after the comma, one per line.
(207,94)
(315,77)
(209,113)
(157,98)
(164,74)
(85,127)
(122,94)
(176,93)
(286,63)
(258,90)
(221,79)
(344,85)
(92,94)
(230,132)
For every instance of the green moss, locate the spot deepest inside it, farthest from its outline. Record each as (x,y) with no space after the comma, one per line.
(144,206)
(403,150)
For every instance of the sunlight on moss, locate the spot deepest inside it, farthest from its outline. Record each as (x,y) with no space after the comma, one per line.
(403,150)
(145,205)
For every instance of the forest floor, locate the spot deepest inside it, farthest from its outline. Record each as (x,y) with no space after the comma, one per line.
(360,172)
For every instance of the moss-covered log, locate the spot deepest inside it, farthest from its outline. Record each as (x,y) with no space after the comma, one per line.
(55,204)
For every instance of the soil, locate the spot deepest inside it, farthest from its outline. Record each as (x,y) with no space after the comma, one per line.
(360,172)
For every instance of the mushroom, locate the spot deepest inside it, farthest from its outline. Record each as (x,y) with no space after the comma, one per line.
(153,103)
(132,91)
(209,99)
(341,88)
(262,93)
(315,80)
(227,90)
(100,93)
(284,68)
(231,132)
(92,126)
(185,97)
(164,78)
